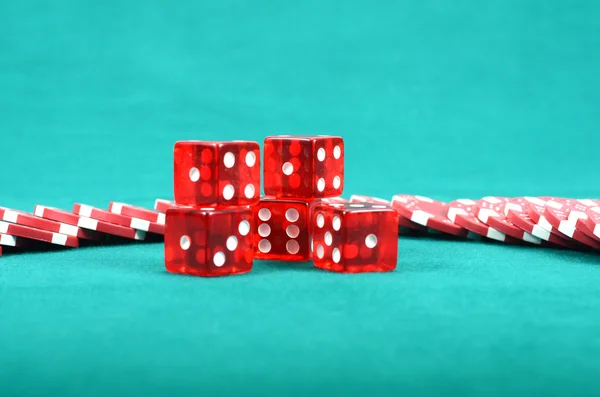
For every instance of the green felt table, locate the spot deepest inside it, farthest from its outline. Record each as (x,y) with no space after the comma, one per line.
(446,99)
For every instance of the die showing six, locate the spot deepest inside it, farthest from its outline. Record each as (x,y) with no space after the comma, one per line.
(281,230)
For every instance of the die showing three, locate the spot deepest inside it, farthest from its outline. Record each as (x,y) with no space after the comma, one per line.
(303,167)
(209,242)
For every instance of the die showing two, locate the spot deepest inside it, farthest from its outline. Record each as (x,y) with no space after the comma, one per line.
(225,224)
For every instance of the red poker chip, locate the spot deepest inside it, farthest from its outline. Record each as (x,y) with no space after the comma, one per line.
(519,212)
(83,222)
(355,198)
(137,212)
(122,220)
(536,208)
(162,205)
(491,212)
(402,221)
(330,200)
(39,235)
(427,212)
(26,219)
(516,212)
(569,217)
(463,212)
(575,209)
(593,220)
(8,240)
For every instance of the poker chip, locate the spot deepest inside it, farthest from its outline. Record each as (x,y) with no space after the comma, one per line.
(26,219)
(593,220)
(355,198)
(463,212)
(427,212)
(106,216)
(83,222)
(515,211)
(536,208)
(137,212)
(333,200)
(569,216)
(576,211)
(162,205)
(491,212)
(13,241)
(402,221)
(39,235)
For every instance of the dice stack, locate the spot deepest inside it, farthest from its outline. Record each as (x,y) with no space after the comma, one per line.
(298,172)
(216,183)
(221,224)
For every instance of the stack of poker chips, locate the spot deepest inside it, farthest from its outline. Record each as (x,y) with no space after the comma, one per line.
(47,227)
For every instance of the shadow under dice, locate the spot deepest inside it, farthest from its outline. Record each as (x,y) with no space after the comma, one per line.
(208,242)
(281,230)
(303,167)
(355,237)
(216,173)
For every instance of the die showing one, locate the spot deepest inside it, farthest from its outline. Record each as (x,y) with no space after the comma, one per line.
(208,242)
(281,230)
(354,237)
(217,173)
(303,167)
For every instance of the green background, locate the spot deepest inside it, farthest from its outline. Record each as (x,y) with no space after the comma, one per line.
(441,98)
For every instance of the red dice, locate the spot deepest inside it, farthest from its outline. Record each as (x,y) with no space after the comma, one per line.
(281,230)
(218,224)
(217,173)
(303,167)
(207,242)
(354,237)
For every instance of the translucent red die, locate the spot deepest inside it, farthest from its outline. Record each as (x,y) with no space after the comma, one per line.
(281,230)
(208,242)
(354,237)
(217,173)
(303,167)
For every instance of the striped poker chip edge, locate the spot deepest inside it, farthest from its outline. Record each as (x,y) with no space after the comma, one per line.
(89,223)
(437,221)
(38,234)
(102,215)
(137,212)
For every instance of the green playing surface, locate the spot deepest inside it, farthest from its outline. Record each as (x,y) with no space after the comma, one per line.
(441,98)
